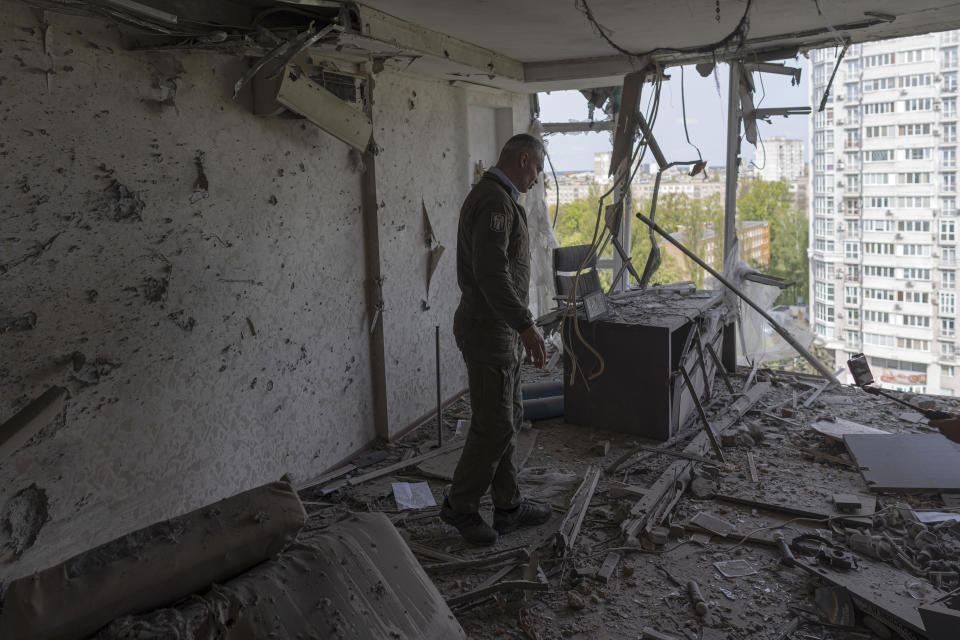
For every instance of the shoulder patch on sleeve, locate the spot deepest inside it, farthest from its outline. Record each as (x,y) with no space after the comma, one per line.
(498,222)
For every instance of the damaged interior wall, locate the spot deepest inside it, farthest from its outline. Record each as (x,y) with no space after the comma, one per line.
(196,275)
(432,137)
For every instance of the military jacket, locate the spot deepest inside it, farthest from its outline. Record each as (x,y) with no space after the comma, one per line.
(493,271)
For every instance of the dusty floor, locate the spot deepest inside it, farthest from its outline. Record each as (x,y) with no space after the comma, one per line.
(795,466)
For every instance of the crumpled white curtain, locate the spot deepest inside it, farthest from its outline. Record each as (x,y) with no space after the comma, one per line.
(542,241)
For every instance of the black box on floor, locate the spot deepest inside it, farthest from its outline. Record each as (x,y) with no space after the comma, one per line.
(642,342)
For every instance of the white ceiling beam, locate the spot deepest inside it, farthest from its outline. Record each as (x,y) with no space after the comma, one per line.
(383,29)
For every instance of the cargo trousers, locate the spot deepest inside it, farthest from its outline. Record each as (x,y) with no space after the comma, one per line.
(489,457)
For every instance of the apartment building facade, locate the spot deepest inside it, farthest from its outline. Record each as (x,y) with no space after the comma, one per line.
(754,236)
(883,212)
(783,160)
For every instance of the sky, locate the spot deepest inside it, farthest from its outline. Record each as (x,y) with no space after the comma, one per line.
(706,106)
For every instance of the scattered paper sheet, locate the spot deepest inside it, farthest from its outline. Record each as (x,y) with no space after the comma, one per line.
(413,495)
(936,516)
(735,568)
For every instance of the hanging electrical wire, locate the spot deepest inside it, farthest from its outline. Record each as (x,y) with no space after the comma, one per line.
(556,185)
(740,31)
(600,235)
(604,32)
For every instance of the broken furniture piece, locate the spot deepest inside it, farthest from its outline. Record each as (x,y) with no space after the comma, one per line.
(906,461)
(154,566)
(649,335)
(566,536)
(357,579)
(662,496)
(895,608)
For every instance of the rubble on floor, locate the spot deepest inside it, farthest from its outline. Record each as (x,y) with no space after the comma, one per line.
(753,547)
(783,538)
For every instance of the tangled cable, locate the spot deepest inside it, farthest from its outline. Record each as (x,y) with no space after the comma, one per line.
(600,236)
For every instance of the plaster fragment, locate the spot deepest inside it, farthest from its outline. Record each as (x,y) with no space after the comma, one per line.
(18,323)
(21,520)
(155,289)
(121,204)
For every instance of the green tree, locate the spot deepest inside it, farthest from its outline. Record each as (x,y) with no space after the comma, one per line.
(576,223)
(694,217)
(577,220)
(769,202)
(772,202)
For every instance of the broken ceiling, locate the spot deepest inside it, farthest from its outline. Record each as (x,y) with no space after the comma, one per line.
(532,46)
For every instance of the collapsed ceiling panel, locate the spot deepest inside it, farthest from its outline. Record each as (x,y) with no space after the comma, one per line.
(531,46)
(544,30)
(583,43)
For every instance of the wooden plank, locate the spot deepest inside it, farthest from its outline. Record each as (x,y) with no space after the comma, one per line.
(506,585)
(327,477)
(403,464)
(15,432)
(753,372)
(566,537)
(424,551)
(719,366)
(703,416)
(650,510)
(816,394)
(868,508)
(675,453)
(698,343)
(483,561)
(619,490)
(608,567)
(752,466)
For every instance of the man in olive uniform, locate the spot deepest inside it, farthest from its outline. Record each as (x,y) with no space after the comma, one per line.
(491,323)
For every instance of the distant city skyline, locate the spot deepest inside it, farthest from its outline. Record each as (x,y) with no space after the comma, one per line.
(706,109)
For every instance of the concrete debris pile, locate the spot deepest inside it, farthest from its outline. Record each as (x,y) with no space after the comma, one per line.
(781,538)
(665,540)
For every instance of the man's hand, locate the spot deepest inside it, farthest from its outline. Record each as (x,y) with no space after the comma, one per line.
(533,344)
(950,427)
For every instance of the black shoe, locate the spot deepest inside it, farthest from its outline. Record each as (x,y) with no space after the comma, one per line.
(527,514)
(471,526)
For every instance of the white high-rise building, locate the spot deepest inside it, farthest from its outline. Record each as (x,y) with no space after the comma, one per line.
(883,210)
(783,159)
(601,166)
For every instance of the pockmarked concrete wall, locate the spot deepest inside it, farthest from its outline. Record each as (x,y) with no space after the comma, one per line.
(443,131)
(193,275)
